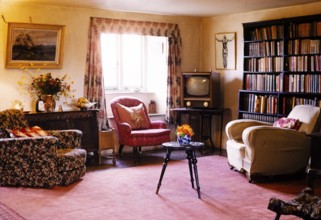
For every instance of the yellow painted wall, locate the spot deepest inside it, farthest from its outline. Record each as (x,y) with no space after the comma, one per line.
(76,21)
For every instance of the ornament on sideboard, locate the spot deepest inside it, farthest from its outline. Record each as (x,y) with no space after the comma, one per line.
(50,103)
(17,105)
(39,104)
(152,107)
(84,103)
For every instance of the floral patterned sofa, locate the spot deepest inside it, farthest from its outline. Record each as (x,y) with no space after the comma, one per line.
(43,159)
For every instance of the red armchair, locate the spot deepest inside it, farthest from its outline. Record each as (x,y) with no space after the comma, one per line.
(133,125)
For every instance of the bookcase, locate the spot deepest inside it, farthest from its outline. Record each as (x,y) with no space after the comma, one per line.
(282,67)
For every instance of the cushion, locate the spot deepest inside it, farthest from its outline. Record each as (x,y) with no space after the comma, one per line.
(135,116)
(308,115)
(290,123)
(34,131)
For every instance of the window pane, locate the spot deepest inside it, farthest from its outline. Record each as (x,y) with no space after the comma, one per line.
(132,61)
(110,60)
(156,62)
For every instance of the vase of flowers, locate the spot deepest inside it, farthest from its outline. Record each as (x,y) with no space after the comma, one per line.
(49,104)
(184,134)
(50,89)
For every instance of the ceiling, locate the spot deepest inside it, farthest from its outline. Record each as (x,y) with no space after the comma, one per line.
(203,8)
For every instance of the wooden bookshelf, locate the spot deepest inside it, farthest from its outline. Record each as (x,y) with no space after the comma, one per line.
(282,67)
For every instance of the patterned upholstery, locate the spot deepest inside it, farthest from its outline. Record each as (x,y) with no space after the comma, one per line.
(39,161)
(156,134)
(305,205)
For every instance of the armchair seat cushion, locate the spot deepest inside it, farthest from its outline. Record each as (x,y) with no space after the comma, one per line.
(70,159)
(71,165)
(67,177)
(150,132)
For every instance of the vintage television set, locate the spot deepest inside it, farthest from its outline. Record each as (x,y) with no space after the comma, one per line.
(200,89)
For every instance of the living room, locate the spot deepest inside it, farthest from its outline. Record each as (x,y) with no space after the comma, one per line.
(199,55)
(198,40)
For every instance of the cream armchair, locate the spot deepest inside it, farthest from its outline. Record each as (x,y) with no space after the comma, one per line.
(260,149)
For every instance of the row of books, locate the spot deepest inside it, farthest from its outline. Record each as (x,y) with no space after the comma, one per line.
(289,102)
(275,64)
(298,63)
(304,83)
(304,63)
(275,48)
(263,82)
(260,103)
(263,104)
(309,83)
(268,33)
(308,29)
(265,64)
(304,46)
(265,118)
(266,48)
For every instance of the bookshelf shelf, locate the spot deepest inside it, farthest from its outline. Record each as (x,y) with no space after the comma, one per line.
(282,67)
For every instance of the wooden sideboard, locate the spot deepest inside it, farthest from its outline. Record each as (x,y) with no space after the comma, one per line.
(86,121)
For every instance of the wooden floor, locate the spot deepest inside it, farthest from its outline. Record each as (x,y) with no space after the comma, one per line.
(145,157)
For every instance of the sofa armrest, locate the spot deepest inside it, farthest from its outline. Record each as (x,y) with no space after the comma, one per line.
(69,138)
(235,128)
(157,124)
(124,130)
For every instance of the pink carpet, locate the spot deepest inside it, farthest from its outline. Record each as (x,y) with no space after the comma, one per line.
(129,193)
(7,213)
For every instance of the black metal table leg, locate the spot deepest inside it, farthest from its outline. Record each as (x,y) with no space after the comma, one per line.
(194,162)
(189,156)
(166,159)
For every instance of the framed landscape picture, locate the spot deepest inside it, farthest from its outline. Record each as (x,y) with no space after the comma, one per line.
(225,51)
(34,45)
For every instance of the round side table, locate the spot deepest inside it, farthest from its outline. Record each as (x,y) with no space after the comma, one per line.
(192,161)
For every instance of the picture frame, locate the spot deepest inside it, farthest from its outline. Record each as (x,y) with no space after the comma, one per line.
(34,45)
(225,51)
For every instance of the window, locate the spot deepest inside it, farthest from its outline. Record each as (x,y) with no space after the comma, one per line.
(134,62)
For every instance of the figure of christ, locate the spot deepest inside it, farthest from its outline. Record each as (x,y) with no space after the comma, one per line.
(224,42)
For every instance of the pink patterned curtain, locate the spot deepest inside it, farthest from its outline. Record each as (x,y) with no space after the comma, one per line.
(94,82)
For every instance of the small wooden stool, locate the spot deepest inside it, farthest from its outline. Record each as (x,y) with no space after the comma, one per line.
(107,140)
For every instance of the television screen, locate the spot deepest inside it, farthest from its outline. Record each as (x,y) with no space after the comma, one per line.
(197,86)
